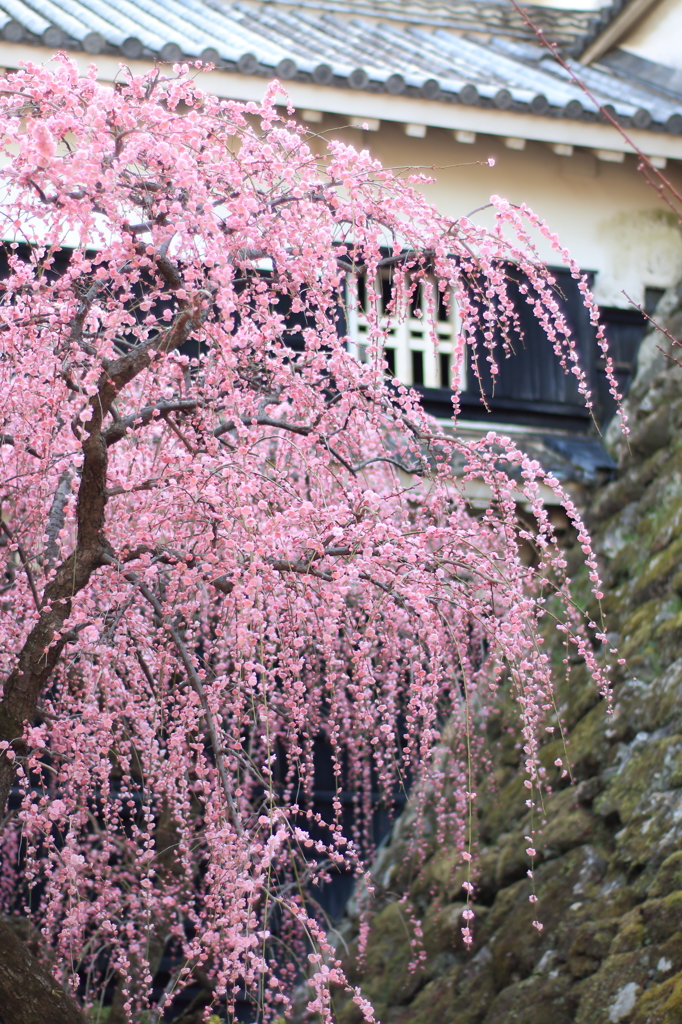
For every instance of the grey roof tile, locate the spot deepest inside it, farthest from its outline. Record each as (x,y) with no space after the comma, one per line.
(25,16)
(382,44)
(667,81)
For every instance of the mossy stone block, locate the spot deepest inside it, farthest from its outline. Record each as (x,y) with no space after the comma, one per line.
(651,768)
(540,999)
(668,877)
(660,1004)
(611,993)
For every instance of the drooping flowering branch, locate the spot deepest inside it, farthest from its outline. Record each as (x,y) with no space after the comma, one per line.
(235,537)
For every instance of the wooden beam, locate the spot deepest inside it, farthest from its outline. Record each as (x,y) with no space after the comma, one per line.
(614,32)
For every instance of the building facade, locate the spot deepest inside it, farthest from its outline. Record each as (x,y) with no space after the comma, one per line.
(464,90)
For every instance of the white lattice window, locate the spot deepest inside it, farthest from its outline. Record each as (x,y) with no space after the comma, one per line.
(408,348)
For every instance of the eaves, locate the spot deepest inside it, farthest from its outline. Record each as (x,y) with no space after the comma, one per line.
(386,107)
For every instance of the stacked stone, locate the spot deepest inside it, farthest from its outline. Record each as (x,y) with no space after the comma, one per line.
(609,868)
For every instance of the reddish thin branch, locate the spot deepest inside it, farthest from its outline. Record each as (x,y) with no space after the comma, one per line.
(663,330)
(663,182)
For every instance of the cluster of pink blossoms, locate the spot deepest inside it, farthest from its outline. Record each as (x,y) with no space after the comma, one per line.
(226,536)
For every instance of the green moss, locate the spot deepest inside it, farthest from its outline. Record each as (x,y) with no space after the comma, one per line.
(385,976)
(569,824)
(610,887)
(650,769)
(631,933)
(668,877)
(594,939)
(630,487)
(642,616)
(505,811)
(662,917)
(660,1004)
(536,1000)
(441,876)
(550,752)
(603,989)
(660,569)
(588,744)
(667,524)
(443,928)
(637,630)
(667,695)
(648,831)
(669,635)
(461,995)
(576,694)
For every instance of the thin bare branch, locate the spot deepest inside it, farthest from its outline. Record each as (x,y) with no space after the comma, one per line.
(25,562)
(8,439)
(663,330)
(195,682)
(653,174)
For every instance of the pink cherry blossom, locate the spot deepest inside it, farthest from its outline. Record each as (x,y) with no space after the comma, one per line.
(225,535)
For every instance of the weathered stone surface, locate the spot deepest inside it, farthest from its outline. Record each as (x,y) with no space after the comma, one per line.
(608,874)
(660,1004)
(537,1000)
(668,877)
(611,993)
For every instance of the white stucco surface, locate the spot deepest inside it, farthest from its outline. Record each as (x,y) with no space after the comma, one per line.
(658,37)
(604,212)
(611,221)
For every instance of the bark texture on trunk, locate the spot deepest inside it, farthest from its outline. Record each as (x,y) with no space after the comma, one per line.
(28,992)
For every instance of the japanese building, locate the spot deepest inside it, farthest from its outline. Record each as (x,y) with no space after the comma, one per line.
(464,90)
(453,86)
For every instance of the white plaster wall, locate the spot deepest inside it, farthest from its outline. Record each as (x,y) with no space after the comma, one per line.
(604,213)
(658,37)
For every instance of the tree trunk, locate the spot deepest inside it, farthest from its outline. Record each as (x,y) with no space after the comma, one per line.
(28,992)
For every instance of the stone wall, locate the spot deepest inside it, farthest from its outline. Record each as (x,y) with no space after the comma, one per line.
(610,878)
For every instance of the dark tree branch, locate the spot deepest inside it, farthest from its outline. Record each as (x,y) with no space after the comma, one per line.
(43,647)
(55,518)
(25,562)
(195,683)
(298,566)
(142,418)
(264,421)
(422,470)
(8,439)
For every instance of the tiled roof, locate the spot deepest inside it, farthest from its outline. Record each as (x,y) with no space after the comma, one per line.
(571,28)
(412,47)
